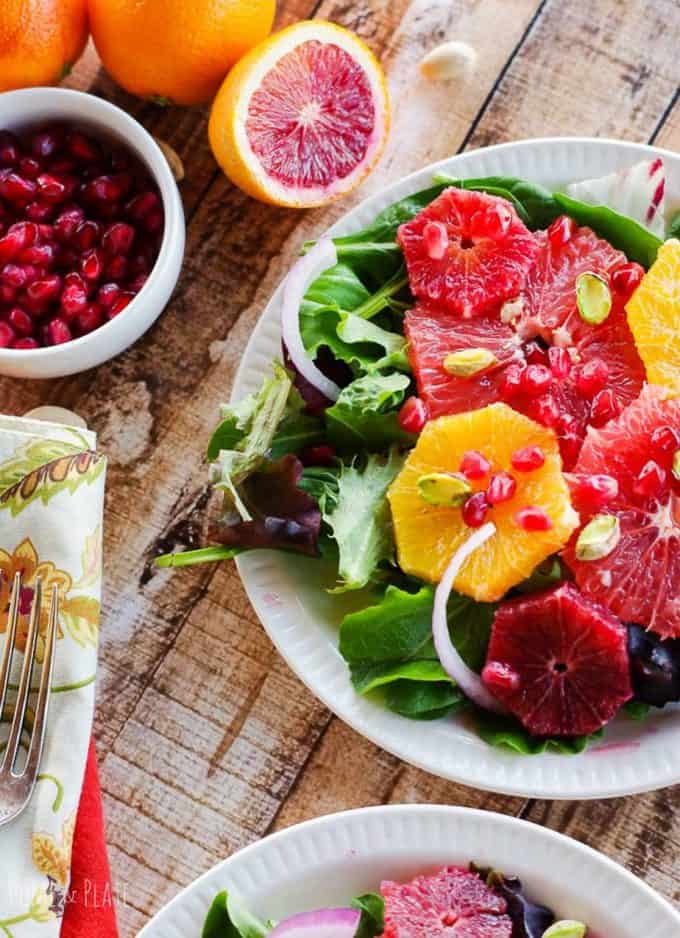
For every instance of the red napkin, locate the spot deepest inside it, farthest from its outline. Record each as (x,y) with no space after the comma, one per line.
(90,907)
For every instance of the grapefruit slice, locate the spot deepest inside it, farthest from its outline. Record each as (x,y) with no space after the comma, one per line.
(303,117)
(453,903)
(428,533)
(544,316)
(654,317)
(467,251)
(558,661)
(639,580)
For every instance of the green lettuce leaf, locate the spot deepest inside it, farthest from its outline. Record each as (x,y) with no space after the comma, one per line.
(394,630)
(360,522)
(506,732)
(424,700)
(365,416)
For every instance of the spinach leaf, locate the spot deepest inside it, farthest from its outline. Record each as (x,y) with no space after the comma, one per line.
(509,733)
(217,923)
(372,921)
(421,700)
(674,227)
(637,709)
(384,226)
(636,242)
(361,523)
(296,432)
(394,630)
(244,921)
(368,677)
(546,574)
(337,287)
(365,415)
(534,203)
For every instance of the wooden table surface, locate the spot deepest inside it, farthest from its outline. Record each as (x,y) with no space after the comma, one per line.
(206,740)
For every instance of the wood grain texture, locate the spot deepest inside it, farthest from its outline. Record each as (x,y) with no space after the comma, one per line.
(207,741)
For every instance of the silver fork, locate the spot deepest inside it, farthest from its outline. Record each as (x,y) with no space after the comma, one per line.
(16,785)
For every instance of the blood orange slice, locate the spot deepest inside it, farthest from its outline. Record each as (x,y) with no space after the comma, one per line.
(453,903)
(595,370)
(558,661)
(467,251)
(639,580)
(303,117)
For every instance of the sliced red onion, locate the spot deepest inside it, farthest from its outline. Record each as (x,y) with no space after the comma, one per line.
(636,191)
(321,923)
(467,679)
(322,256)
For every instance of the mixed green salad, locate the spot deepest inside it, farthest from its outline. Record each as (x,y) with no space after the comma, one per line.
(442,432)
(475,902)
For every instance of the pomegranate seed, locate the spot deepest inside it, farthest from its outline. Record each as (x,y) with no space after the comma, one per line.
(26,233)
(595,492)
(64,166)
(560,362)
(153,222)
(90,319)
(7,335)
(42,255)
(323,455)
(51,188)
(604,408)
(83,148)
(20,321)
(13,275)
(86,236)
(138,283)
(26,343)
(502,486)
(29,167)
(44,291)
(546,410)
(117,268)
(10,245)
(45,144)
(73,300)
(436,239)
(139,264)
(592,377)
(413,415)
(59,332)
(32,273)
(74,279)
(475,509)
(651,480)
(626,278)
(561,231)
(511,383)
(7,293)
(474,465)
(533,519)
(534,353)
(39,211)
(107,294)
(9,148)
(535,380)
(665,440)
(120,304)
(15,189)
(118,238)
(104,189)
(528,458)
(498,674)
(68,222)
(92,265)
(139,207)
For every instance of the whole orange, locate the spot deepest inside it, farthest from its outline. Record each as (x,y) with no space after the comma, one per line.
(40,40)
(176,50)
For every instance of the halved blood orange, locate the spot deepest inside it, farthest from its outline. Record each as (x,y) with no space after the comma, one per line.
(303,117)
(639,580)
(428,535)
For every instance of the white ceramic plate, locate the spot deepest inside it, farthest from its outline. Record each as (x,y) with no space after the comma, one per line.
(329,860)
(302,620)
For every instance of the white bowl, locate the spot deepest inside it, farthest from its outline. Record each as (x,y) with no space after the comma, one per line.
(303,621)
(31,106)
(328,861)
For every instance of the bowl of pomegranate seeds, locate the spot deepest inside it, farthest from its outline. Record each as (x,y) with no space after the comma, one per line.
(91,232)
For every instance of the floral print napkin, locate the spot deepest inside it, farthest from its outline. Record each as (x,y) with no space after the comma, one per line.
(51,504)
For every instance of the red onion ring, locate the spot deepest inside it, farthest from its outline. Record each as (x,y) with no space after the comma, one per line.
(467,679)
(322,923)
(322,256)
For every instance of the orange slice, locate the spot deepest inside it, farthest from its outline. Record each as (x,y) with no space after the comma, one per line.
(427,535)
(303,117)
(654,318)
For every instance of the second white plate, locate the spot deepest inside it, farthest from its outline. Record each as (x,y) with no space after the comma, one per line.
(302,620)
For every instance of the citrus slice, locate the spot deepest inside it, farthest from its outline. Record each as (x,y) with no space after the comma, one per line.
(427,534)
(654,317)
(587,372)
(303,117)
(639,579)
(467,251)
